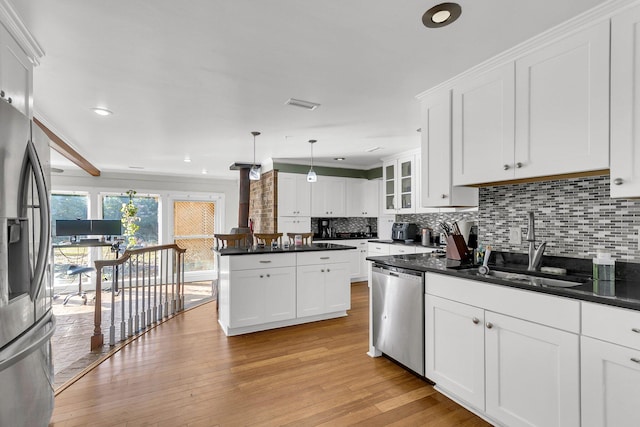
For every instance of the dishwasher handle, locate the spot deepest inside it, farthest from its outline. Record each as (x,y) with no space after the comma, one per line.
(397,272)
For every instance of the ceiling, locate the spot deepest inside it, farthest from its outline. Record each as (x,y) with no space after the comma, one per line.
(193,79)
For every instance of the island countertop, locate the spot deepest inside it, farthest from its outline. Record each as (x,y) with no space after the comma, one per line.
(254,250)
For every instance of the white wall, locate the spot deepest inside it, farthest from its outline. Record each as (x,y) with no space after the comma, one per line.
(224,192)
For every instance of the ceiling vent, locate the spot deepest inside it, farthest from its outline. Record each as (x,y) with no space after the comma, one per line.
(307,105)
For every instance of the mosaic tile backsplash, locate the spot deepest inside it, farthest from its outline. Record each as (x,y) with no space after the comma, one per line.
(575,216)
(347,225)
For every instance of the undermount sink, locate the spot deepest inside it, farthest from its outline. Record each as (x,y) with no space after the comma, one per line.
(530,279)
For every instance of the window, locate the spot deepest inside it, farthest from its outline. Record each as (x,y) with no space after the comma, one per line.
(147,206)
(67,206)
(193,230)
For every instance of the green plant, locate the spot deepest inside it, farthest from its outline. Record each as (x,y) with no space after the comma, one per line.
(129,219)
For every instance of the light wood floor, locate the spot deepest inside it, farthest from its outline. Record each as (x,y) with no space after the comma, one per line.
(187,372)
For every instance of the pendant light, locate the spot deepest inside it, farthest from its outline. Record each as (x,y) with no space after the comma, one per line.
(254,172)
(311,175)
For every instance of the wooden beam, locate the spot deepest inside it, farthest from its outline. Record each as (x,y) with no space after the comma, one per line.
(63,148)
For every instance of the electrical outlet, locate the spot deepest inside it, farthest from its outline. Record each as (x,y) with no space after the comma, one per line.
(515,235)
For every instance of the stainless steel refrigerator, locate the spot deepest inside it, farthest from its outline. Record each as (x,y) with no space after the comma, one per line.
(26,319)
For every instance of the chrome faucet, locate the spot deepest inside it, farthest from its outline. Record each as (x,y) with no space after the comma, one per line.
(535,255)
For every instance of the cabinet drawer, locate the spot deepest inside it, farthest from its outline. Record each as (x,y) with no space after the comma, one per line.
(324,257)
(378,248)
(613,324)
(249,262)
(401,249)
(557,312)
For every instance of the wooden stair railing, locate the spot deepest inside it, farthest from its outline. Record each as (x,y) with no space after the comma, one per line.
(149,283)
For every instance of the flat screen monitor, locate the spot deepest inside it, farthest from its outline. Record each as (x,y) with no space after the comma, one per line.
(73,227)
(106,227)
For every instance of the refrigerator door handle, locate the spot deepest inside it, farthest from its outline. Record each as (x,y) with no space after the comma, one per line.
(8,360)
(32,162)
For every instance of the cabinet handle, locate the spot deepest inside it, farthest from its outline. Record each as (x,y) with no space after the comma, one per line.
(268,275)
(444,196)
(636,330)
(322,270)
(489,325)
(328,270)
(618,181)
(261,276)
(1,94)
(635,360)
(265,262)
(475,320)
(325,257)
(506,167)
(519,165)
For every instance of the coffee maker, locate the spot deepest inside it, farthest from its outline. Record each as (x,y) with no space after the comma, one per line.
(324,227)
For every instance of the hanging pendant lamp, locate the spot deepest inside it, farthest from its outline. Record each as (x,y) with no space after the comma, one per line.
(254,172)
(311,175)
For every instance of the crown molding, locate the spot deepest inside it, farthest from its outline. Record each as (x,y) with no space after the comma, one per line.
(13,23)
(591,17)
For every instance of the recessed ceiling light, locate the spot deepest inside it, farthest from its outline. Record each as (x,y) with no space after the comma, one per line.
(441,15)
(102,111)
(372,149)
(302,104)
(187,159)
(204,171)
(338,158)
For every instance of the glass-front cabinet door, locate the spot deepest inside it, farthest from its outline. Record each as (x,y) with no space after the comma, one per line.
(406,176)
(389,178)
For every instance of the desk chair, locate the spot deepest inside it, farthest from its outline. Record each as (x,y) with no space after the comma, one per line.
(231,240)
(267,238)
(79,271)
(306,238)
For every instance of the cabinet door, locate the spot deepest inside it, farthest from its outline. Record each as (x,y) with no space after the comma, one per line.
(610,384)
(310,290)
(335,197)
(355,197)
(532,373)
(294,195)
(371,191)
(625,104)
(562,106)
(15,73)
(246,299)
(389,187)
(280,294)
(337,285)
(318,199)
(454,348)
(405,190)
(483,127)
(294,225)
(401,249)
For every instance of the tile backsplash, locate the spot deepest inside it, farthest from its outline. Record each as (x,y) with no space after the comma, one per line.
(575,216)
(347,225)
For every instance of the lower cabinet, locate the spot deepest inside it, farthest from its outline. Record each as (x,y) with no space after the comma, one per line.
(514,371)
(323,288)
(262,296)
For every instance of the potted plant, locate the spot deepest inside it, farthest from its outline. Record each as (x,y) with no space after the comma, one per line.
(129,219)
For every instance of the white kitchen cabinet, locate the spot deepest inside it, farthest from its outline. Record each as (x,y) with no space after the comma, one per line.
(294,195)
(16,73)
(398,178)
(625,104)
(378,249)
(532,373)
(401,249)
(292,224)
(436,187)
(356,257)
(562,106)
(454,348)
(328,197)
(530,350)
(362,198)
(323,284)
(610,363)
(483,127)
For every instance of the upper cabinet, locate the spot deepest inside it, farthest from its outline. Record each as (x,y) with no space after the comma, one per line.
(294,195)
(483,127)
(436,187)
(328,197)
(543,113)
(562,106)
(363,197)
(399,186)
(625,104)
(16,71)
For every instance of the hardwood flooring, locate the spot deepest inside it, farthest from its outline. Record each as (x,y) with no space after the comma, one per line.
(186,372)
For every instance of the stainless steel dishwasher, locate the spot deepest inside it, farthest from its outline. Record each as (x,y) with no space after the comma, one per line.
(398,315)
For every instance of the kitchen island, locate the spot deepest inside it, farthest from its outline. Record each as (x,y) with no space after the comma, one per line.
(264,288)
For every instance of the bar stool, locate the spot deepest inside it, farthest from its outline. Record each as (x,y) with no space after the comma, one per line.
(231,240)
(79,271)
(267,238)
(306,237)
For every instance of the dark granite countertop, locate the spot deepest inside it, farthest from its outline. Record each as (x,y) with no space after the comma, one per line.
(254,250)
(404,243)
(625,293)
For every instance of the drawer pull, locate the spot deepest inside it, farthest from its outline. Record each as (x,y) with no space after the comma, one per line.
(475,320)
(489,325)
(635,360)
(325,257)
(261,276)
(265,262)
(636,330)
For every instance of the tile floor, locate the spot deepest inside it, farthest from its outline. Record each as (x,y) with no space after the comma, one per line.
(71,340)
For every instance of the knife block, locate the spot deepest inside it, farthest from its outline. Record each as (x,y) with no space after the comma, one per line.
(457,247)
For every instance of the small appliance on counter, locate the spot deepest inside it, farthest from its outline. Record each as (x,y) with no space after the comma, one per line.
(404,231)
